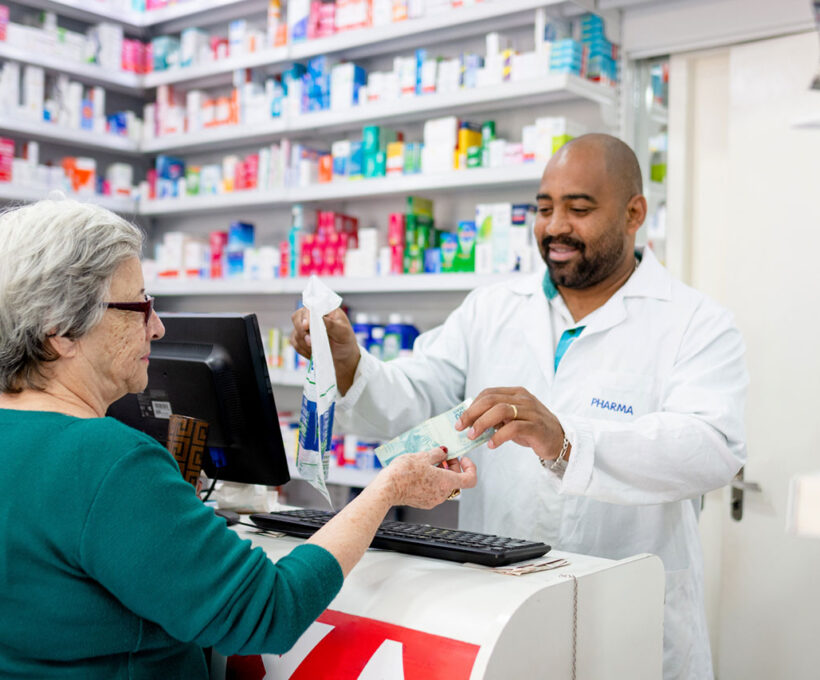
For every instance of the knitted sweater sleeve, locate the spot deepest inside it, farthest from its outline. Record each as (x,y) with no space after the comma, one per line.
(169,559)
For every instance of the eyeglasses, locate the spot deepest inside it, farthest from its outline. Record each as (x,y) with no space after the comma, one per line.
(145,307)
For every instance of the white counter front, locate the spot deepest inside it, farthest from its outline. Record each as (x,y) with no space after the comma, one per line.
(412,618)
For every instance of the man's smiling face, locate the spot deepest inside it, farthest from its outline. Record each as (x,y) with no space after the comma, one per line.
(581,225)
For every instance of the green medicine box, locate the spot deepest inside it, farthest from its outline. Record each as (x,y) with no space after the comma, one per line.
(465,253)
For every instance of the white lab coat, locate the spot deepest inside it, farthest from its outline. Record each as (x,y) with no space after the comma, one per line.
(660,349)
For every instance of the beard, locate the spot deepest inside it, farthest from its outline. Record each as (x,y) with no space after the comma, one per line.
(594,264)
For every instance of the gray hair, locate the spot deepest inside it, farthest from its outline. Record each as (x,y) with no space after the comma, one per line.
(57,258)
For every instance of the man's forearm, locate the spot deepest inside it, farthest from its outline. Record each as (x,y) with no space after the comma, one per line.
(346,371)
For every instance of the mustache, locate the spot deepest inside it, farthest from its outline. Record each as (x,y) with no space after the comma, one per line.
(547,241)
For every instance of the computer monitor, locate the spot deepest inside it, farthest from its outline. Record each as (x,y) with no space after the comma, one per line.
(212,367)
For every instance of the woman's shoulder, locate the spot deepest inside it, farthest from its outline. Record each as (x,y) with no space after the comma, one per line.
(107,445)
(107,432)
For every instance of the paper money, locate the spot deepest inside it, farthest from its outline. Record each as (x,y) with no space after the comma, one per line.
(532,567)
(438,431)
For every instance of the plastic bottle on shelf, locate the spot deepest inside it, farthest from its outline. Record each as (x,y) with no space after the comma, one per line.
(349,449)
(295,238)
(399,336)
(376,344)
(657,158)
(361,328)
(240,239)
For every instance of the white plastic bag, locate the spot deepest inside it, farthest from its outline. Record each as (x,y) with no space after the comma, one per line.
(319,393)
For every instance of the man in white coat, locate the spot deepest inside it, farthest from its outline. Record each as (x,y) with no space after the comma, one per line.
(617,392)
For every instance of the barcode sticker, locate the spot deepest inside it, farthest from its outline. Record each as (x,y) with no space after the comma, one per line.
(162,409)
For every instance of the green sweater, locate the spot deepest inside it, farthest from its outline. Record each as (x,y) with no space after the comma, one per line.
(110,567)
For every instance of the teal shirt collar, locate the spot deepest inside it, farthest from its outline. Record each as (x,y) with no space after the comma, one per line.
(549,287)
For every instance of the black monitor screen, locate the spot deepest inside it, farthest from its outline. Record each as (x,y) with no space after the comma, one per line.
(212,367)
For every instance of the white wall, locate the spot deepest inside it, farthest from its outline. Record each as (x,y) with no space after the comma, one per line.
(753,227)
(698,179)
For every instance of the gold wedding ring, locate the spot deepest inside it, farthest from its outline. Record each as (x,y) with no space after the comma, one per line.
(515,411)
(455,493)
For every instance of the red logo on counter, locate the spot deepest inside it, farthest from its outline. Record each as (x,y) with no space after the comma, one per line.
(348,647)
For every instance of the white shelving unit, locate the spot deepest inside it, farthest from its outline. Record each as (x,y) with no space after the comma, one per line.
(553,88)
(171,18)
(58,134)
(398,283)
(659,114)
(92,11)
(352,189)
(92,74)
(490,15)
(462,22)
(16,193)
(655,190)
(279,376)
(217,138)
(209,72)
(176,16)
(650,120)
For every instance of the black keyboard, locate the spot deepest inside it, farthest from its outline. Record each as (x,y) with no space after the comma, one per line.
(415,539)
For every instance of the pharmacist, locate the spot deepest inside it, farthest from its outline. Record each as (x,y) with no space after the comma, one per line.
(617,392)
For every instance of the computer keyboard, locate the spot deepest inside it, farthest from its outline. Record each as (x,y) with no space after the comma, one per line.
(414,539)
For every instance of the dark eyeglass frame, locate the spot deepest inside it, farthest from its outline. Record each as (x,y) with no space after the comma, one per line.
(145,307)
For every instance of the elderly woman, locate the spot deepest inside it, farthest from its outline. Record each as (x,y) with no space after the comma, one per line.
(110,567)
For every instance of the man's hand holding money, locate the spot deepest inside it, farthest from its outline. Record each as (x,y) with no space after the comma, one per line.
(517,416)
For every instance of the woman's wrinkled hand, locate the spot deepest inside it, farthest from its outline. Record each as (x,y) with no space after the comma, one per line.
(420,481)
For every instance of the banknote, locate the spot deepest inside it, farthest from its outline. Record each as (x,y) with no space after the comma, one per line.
(531,567)
(438,431)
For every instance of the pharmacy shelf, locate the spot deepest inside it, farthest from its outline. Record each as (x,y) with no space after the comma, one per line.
(655,193)
(279,376)
(405,283)
(346,475)
(439,28)
(555,87)
(455,23)
(179,15)
(207,74)
(431,183)
(659,114)
(657,189)
(224,137)
(552,88)
(174,17)
(92,11)
(91,74)
(17,194)
(57,134)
